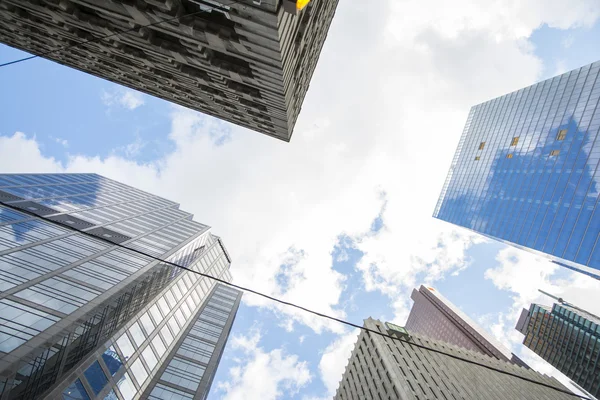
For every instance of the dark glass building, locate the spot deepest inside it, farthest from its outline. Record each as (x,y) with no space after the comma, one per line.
(249,62)
(382,368)
(566,337)
(84,315)
(434,316)
(526,170)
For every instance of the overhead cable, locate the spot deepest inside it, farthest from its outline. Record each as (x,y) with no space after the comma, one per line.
(351,324)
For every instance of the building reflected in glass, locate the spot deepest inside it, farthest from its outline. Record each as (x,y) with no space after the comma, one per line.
(526,170)
(81,317)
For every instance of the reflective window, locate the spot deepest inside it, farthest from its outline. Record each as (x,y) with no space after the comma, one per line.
(126,387)
(112,360)
(147,323)
(75,391)
(125,346)
(111,396)
(150,357)
(95,377)
(166,334)
(536,184)
(159,346)
(139,371)
(136,333)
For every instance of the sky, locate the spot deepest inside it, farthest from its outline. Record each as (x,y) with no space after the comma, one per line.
(339,219)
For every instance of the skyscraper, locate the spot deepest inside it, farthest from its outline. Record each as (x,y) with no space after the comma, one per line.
(381,368)
(245,61)
(435,316)
(566,337)
(526,170)
(82,317)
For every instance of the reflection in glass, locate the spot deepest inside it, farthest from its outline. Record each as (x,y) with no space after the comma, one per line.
(95,377)
(75,391)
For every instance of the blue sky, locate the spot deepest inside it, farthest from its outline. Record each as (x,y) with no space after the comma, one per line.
(340,218)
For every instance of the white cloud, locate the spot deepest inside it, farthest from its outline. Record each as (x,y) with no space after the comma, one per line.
(334,360)
(387,122)
(132,149)
(126,98)
(263,375)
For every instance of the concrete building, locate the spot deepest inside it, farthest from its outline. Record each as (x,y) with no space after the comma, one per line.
(435,316)
(382,368)
(81,317)
(526,170)
(566,337)
(245,61)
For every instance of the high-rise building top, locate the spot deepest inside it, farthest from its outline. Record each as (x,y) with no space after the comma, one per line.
(566,337)
(525,170)
(81,316)
(247,62)
(382,368)
(435,316)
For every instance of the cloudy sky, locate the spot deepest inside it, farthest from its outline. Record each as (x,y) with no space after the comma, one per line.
(339,220)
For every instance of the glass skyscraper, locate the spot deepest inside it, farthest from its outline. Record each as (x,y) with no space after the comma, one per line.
(566,337)
(81,317)
(526,170)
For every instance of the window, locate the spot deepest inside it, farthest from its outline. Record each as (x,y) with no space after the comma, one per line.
(477,158)
(554,152)
(514,141)
(125,346)
(112,360)
(95,377)
(75,391)
(481,145)
(510,155)
(561,135)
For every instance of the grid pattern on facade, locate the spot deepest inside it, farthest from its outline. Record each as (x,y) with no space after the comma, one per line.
(384,369)
(247,62)
(569,340)
(539,191)
(64,293)
(190,365)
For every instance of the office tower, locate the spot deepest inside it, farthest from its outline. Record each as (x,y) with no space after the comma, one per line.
(248,62)
(435,316)
(382,368)
(566,337)
(526,170)
(84,315)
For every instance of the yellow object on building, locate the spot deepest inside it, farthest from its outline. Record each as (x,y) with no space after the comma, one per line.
(300,4)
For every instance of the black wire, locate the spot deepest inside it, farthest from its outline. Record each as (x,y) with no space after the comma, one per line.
(245,289)
(100,38)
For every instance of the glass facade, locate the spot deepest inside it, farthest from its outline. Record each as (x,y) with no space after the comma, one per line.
(83,318)
(567,338)
(526,170)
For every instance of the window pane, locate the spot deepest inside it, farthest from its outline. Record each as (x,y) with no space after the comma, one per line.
(112,360)
(125,346)
(95,377)
(136,333)
(139,371)
(126,387)
(75,391)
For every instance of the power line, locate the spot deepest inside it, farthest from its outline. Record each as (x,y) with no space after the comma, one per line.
(100,38)
(245,289)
